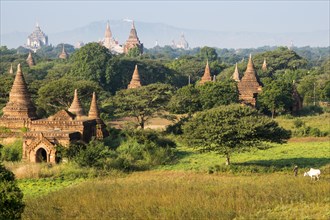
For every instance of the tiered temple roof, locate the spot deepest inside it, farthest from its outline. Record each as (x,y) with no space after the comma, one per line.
(30,60)
(236,74)
(135,82)
(37,39)
(249,86)
(207,74)
(19,105)
(64,55)
(64,127)
(133,41)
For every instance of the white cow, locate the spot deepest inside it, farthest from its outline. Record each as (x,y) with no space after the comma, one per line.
(313,173)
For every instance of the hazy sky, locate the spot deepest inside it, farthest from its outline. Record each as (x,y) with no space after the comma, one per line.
(255,16)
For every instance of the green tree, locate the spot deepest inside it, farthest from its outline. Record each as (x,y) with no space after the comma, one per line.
(11,197)
(90,62)
(229,129)
(276,96)
(185,100)
(134,52)
(208,53)
(214,94)
(143,103)
(58,94)
(120,70)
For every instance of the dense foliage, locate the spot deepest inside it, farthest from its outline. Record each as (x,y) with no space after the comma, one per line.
(11,197)
(229,129)
(142,103)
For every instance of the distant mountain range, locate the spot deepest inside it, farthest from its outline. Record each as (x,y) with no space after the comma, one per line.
(164,34)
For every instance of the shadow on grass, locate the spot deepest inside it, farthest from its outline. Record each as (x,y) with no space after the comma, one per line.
(288,163)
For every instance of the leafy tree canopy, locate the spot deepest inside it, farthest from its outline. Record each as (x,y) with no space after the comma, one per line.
(229,129)
(56,95)
(143,103)
(276,96)
(90,63)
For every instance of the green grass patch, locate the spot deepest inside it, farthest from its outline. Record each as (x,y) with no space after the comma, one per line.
(32,188)
(322,122)
(278,158)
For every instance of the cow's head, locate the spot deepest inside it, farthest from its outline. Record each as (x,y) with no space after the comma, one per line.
(306,174)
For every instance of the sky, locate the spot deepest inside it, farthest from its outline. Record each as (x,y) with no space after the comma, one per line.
(255,16)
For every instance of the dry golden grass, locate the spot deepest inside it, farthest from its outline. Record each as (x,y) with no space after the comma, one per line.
(187,195)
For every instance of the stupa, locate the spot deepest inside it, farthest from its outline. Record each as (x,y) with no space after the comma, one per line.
(135,82)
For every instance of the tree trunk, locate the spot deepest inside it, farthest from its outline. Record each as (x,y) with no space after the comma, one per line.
(227,159)
(273,113)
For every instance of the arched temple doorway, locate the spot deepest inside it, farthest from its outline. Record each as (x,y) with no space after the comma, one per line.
(41,155)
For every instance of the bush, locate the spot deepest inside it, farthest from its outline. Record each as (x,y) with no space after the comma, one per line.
(94,155)
(11,197)
(141,156)
(12,152)
(310,110)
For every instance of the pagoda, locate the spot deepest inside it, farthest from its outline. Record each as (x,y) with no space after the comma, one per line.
(297,104)
(37,39)
(110,43)
(264,66)
(63,128)
(94,114)
(11,71)
(64,55)
(207,74)
(135,82)
(19,110)
(236,74)
(75,107)
(133,41)
(30,60)
(249,86)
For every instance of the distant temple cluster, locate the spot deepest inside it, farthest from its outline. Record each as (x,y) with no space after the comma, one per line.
(37,39)
(181,44)
(113,45)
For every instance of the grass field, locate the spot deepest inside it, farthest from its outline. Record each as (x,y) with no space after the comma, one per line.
(321,122)
(187,195)
(187,190)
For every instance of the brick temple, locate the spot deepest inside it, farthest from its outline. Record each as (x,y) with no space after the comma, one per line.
(43,135)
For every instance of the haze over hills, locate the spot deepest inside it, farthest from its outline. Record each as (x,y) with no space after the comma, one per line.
(164,34)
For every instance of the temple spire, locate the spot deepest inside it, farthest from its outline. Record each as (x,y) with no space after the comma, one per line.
(64,55)
(264,66)
(30,60)
(19,104)
(75,107)
(135,82)
(249,86)
(108,33)
(236,74)
(207,74)
(11,71)
(94,110)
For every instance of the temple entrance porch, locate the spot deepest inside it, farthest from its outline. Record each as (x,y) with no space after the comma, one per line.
(41,155)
